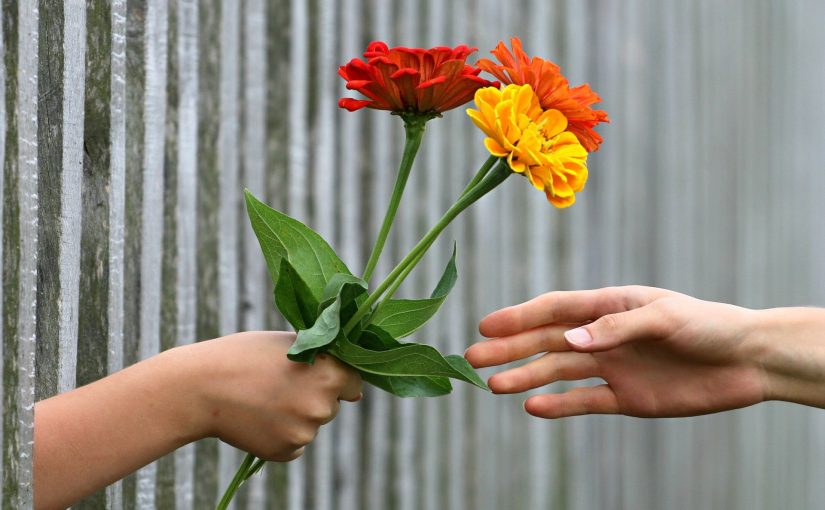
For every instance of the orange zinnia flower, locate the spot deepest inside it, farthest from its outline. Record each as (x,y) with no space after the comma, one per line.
(412,80)
(552,88)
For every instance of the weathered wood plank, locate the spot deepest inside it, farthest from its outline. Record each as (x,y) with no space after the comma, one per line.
(74,136)
(3,124)
(168,323)
(298,183)
(382,167)
(153,207)
(26,316)
(117,206)
(278,49)
(50,363)
(11,255)
(326,204)
(254,281)
(206,454)
(186,215)
(134,98)
(349,447)
(228,198)
(85,240)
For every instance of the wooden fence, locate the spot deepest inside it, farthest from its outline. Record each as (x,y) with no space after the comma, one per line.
(129,129)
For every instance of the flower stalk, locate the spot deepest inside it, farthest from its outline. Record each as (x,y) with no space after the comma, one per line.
(240,476)
(414,130)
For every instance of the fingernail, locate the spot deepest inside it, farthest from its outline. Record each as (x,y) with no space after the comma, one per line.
(578,336)
(359,397)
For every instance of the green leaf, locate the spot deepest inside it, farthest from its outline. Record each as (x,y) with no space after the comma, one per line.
(351,289)
(410,386)
(463,366)
(405,360)
(376,339)
(402,317)
(282,237)
(342,292)
(321,334)
(294,299)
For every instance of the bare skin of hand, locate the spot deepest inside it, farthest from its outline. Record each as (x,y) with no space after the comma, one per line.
(660,353)
(240,388)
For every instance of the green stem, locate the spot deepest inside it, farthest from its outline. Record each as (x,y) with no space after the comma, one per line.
(480,174)
(414,130)
(495,178)
(254,469)
(236,482)
(477,178)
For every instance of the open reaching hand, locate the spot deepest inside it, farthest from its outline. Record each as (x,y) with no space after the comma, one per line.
(660,353)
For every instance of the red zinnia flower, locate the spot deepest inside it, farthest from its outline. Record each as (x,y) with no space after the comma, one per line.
(412,80)
(552,88)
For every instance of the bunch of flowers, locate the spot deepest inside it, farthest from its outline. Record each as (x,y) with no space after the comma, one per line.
(536,126)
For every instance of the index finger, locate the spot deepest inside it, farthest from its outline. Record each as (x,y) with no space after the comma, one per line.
(577,306)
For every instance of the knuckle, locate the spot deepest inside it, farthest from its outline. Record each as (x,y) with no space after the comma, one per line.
(299,437)
(610,323)
(321,412)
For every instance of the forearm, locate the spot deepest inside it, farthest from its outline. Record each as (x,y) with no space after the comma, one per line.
(793,346)
(92,436)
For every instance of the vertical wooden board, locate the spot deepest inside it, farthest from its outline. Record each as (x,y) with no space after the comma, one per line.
(151,261)
(85,241)
(382,166)
(349,450)
(228,198)
(186,215)
(324,198)
(117,203)
(3,128)
(278,47)
(20,451)
(11,255)
(165,475)
(254,279)
(79,193)
(50,136)
(459,323)
(544,480)
(297,198)
(433,170)
(134,98)
(206,453)
(403,237)
(487,253)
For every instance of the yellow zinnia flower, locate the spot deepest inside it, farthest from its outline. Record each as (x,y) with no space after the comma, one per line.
(534,141)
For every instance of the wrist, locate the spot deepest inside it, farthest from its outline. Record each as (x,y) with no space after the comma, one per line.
(187,393)
(792,353)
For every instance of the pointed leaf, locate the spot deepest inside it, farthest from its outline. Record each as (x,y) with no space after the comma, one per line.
(294,299)
(410,386)
(402,317)
(283,237)
(340,293)
(321,334)
(405,360)
(462,365)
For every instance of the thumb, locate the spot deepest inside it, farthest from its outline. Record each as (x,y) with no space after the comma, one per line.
(616,329)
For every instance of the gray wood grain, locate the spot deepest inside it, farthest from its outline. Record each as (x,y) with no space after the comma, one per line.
(27,93)
(152,211)
(117,208)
